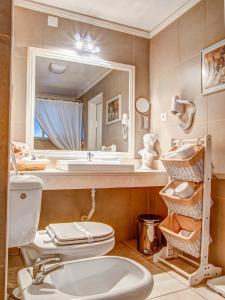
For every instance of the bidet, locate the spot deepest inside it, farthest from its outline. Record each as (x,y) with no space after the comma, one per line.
(98,278)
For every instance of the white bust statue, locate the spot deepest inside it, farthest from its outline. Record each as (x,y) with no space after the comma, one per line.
(148,153)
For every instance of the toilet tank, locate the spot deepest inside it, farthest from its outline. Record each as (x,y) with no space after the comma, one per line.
(25,192)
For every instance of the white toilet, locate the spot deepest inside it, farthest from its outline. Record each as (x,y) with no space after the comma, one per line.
(68,241)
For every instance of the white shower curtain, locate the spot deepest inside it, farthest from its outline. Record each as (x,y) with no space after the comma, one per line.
(62,121)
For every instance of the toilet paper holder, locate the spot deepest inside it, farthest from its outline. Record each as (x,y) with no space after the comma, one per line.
(178,107)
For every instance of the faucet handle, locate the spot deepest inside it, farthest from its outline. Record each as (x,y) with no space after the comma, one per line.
(40,264)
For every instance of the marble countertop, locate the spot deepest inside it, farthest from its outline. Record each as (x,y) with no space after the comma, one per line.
(55,179)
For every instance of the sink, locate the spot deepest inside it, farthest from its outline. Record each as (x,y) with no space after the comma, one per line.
(98,278)
(93,165)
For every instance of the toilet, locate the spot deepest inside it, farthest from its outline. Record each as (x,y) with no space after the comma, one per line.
(69,241)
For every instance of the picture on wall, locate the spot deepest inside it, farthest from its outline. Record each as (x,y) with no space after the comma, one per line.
(113,110)
(213,68)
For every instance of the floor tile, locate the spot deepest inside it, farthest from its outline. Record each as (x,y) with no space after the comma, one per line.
(206,292)
(165,284)
(186,294)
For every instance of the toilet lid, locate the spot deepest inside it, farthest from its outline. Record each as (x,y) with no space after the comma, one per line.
(79,232)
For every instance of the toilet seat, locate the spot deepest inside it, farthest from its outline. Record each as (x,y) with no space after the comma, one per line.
(78,233)
(45,246)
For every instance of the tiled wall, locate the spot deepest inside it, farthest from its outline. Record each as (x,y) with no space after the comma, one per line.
(5,57)
(117,207)
(175,68)
(31,30)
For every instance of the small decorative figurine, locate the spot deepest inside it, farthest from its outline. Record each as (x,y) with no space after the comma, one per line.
(148,153)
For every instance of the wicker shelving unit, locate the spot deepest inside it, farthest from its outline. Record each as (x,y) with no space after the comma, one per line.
(198,171)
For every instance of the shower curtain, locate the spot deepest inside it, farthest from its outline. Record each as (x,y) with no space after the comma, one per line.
(62,122)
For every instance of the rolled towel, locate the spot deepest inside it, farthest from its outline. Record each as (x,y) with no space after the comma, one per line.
(170,155)
(184,190)
(185,151)
(184,233)
(169,192)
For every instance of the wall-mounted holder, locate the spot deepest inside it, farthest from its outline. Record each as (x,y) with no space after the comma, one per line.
(125,125)
(143,106)
(178,107)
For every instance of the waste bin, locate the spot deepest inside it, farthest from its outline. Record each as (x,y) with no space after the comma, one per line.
(149,236)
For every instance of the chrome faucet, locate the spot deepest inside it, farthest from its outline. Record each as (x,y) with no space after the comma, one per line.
(40,271)
(90,156)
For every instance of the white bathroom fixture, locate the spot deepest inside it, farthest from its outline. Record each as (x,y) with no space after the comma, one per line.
(57,68)
(24,209)
(178,108)
(79,165)
(100,278)
(70,241)
(125,125)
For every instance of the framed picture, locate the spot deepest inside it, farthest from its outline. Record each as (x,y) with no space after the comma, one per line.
(213,68)
(113,110)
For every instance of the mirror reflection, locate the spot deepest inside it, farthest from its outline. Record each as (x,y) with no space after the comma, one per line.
(80,106)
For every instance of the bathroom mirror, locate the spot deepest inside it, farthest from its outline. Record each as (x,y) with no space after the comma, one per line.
(76,104)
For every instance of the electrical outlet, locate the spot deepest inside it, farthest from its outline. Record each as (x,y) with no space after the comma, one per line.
(163,117)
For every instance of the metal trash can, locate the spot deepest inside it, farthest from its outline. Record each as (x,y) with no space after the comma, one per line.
(149,236)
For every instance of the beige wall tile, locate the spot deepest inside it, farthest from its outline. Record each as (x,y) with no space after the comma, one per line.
(139,205)
(190,86)
(215,21)
(164,50)
(117,212)
(191,32)
(18,110)
(119,47)
(29,27)
(62,37)
(18,131)
(217,129)
(216,253)
(5,17)
(218,188)
(216,106)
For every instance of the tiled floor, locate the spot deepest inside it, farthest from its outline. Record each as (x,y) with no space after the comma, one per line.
(168,285)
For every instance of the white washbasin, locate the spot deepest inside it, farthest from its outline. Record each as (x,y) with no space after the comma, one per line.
(94,165)
(99,278)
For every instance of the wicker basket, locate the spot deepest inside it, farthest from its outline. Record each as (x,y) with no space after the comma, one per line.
(171,227)
(190,207)
(38,165)
(191,169)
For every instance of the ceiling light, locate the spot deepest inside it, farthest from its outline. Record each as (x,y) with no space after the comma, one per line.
(86,45)
(79,45)
(57,68)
